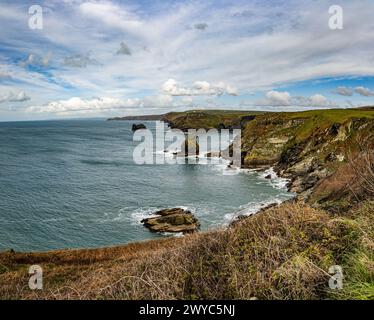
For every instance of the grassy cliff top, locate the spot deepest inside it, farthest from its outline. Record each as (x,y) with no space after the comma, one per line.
(206,119)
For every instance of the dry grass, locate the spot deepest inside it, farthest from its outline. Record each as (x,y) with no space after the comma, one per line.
(352,183)
(283,253)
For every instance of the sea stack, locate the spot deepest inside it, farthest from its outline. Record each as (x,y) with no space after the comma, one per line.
(138,126)
(172,220)
(190,147)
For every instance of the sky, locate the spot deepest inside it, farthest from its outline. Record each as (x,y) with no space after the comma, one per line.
(118,58)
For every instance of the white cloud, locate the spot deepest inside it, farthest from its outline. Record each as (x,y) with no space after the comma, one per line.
(112,15)
(344,91)
(366,92)
(319,100)
(251,46)
(284,99)
(35,60)
(161,101)
(99,105)
(5,75)
(199,88)
(276,98)
(79,61)
(201,26)
(20,96)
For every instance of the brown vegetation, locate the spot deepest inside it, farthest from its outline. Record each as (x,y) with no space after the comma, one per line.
(282,253)
(351,183)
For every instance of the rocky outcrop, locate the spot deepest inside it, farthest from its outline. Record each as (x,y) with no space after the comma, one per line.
(244,120)
(213,154)
(305,147)
(190,147)
(172,220)
(138,126)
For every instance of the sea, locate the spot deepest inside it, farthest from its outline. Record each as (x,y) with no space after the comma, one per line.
(75,184)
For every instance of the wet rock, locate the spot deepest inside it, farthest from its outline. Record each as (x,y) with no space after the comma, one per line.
(239,219)
(212,154)
(172,220)
(190,147)
(243,217)
(221,126)
(334,129)
(138,126)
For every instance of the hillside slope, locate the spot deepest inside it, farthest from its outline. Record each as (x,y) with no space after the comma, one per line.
(306,146)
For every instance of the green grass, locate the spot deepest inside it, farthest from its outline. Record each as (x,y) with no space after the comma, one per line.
(206,119)
(358,265)
(359,277)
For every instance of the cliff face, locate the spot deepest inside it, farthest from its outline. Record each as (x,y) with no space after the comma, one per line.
(309,148)
(306,147)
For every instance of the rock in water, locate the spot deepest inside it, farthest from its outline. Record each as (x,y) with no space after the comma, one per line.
(190,147)
(172,220)
(138,126)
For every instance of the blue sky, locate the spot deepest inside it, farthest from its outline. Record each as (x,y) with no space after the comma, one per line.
(109,58)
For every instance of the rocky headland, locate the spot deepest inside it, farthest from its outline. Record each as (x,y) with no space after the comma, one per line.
(305,147)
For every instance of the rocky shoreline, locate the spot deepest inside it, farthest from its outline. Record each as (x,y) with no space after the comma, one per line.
(306,148)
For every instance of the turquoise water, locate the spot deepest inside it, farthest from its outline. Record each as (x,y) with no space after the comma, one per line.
(74,184)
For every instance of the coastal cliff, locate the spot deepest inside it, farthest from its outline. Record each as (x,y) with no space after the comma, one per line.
(284,252)
(305,147)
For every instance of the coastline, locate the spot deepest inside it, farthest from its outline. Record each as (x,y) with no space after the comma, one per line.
(328,222)
(290,168)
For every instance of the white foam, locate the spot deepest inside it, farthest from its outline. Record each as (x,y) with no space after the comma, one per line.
(167,153)
(139,214)
(276,181)
(222,165)
(249,209)
(171,234)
